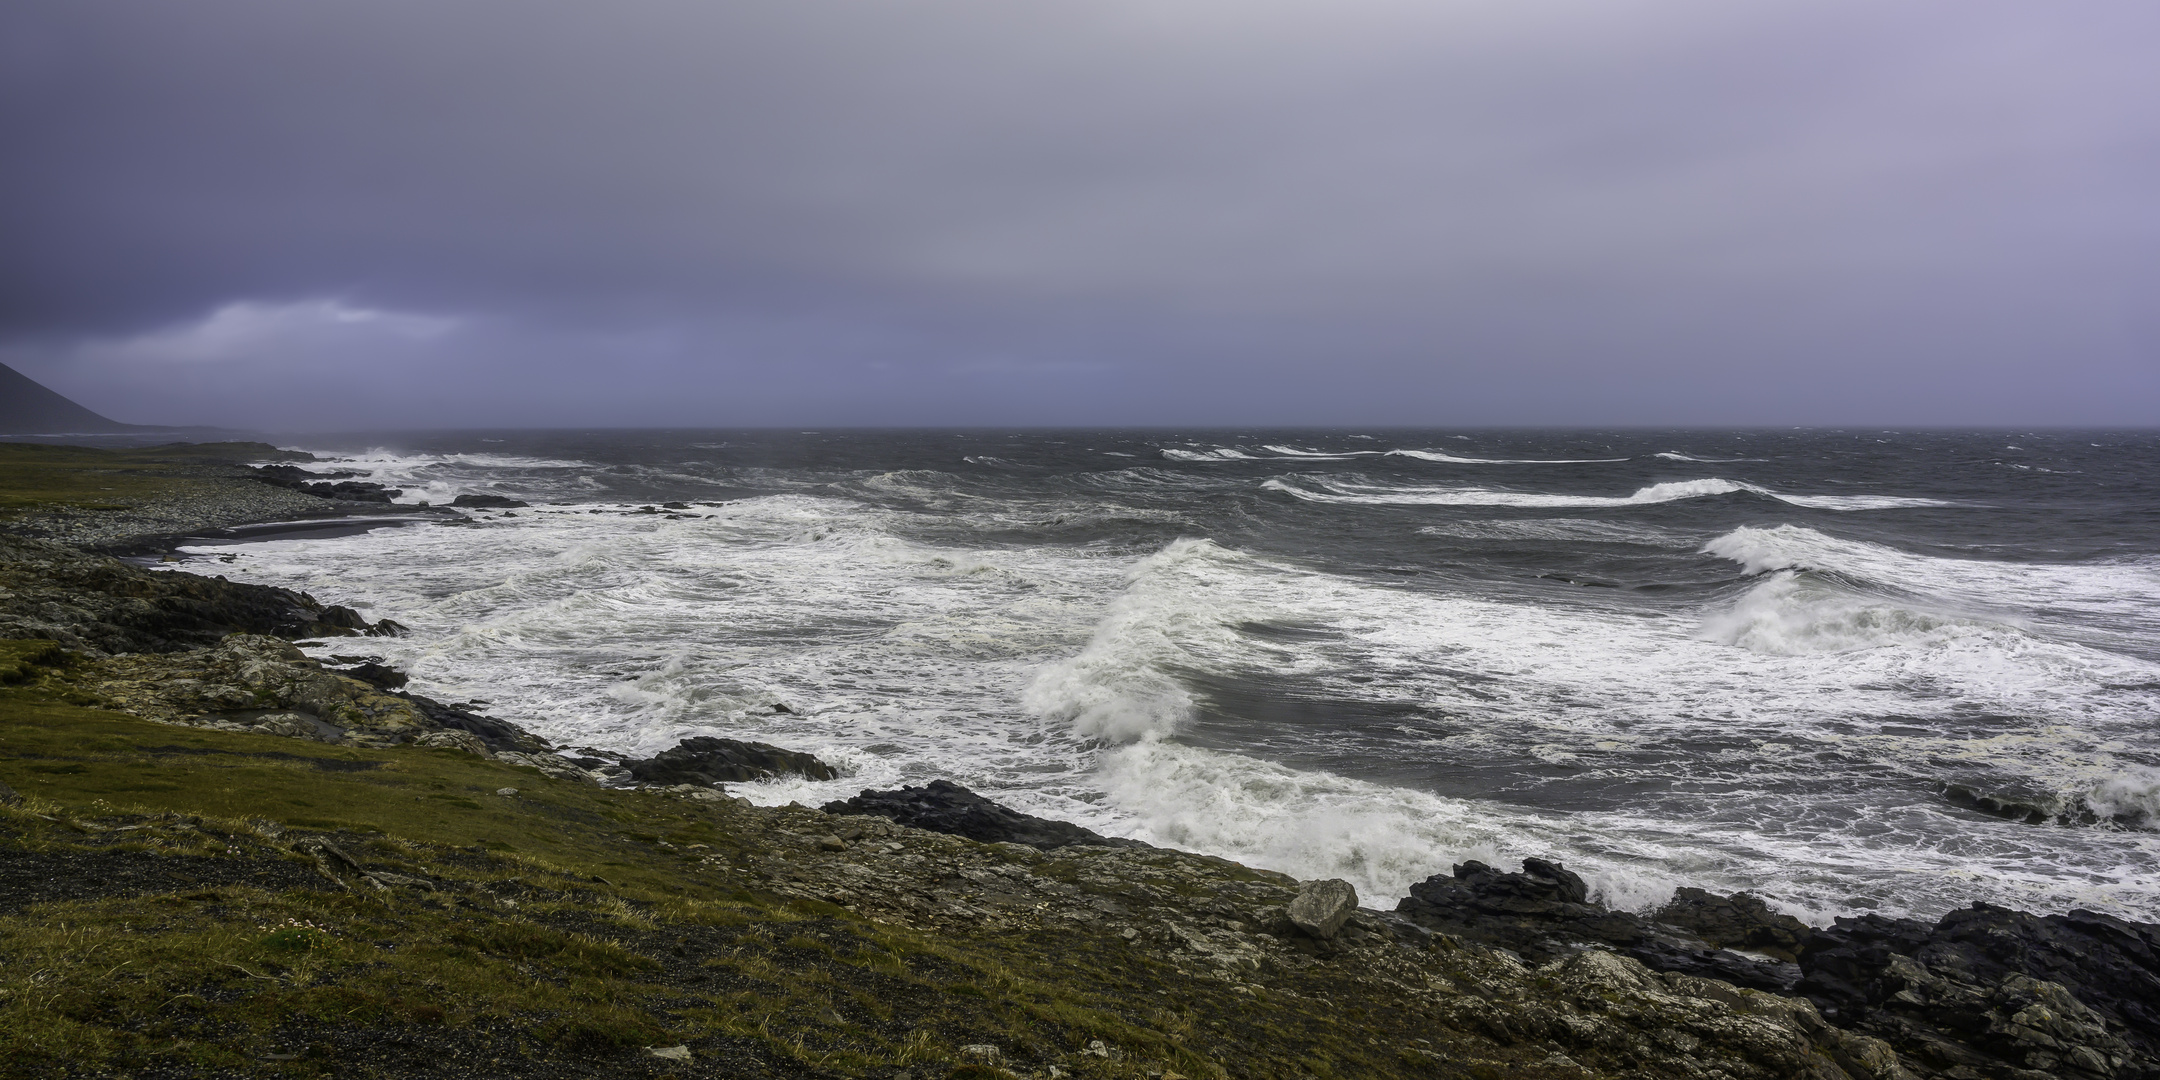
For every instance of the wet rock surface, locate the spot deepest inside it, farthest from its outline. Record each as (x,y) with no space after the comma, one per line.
(103,605)
(946,807)
(337,485)
(494,501)
(1544,912)
(705,759)
(2074,995)
(1986,992)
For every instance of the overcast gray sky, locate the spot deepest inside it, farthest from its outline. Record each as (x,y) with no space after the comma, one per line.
(370,213)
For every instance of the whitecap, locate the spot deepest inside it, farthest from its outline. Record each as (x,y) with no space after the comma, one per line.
(2116,595)
(1452,459)
(1347,491)
(1573,530)
(1675,455)
(1217,454)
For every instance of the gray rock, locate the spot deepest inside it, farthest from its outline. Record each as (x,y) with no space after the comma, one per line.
(946,807)
(708,760)
(1322,907)
(455,740)
(9,796)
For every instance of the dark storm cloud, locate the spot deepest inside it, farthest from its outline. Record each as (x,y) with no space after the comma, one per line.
(798,210)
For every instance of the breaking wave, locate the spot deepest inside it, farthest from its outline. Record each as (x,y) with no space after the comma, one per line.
(1429,455)
(1315,489)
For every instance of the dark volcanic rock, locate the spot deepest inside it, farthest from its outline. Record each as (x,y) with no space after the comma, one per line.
(946,807)
(48,590)
(297,479)
(376,675)
(1738,921)
(502,501)
(1985,987)
(1841,963)
(708,760)
(1986,992)
(1544,913)
(498,735)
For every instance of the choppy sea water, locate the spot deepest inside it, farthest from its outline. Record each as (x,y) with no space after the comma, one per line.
(1849,670)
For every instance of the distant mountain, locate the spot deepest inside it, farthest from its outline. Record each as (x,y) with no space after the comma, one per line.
(28,408)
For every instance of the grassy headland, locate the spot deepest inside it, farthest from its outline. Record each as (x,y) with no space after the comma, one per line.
(418,891)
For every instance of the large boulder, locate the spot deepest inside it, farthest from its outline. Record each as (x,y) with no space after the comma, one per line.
(1321,907)
(709,760)
(946,807)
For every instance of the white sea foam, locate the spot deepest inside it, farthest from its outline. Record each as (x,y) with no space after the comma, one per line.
(1319,455)
(1453,459)
(439,478)
(1334,490)
(1124,685)
(1425,455)
(1789,616)
(2109,597)
(2131,799)
(1221,453)
(1571,530)
(1065,681)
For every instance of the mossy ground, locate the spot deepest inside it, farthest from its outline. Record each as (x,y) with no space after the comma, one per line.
(39,477)
(159,923)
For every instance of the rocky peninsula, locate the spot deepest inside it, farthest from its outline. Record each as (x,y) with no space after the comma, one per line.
(220,857)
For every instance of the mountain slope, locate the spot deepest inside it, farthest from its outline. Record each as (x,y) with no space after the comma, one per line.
(28,408)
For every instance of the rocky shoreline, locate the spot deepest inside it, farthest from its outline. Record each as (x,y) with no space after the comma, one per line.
(1486,972)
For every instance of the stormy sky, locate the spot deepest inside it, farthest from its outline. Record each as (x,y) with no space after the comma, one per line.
(342,214)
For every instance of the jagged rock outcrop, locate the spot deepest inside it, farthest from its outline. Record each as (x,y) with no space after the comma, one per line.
(1986,992)
(1738,921)
(494,734)
(1544,913)
(331,485)
(250,681)
(705,759)
(101,605)
(502,502)
(1987,989)
(946,807)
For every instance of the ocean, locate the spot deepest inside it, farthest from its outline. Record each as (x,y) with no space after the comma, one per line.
(1846,670)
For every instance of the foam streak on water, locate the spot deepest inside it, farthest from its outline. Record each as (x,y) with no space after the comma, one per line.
(1831,674)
